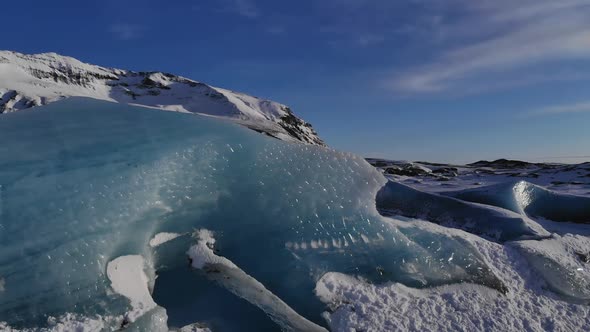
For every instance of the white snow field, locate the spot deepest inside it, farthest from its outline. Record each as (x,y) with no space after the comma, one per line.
(118,217)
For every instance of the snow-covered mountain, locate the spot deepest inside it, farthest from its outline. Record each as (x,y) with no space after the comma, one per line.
(32,80)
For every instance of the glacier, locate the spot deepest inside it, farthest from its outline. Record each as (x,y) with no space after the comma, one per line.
(533,200)
(113,216)
(497,224)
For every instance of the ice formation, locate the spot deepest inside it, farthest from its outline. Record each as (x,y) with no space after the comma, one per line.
(498,224)
(526,198)
(162,238)
(97,199)
(238,282)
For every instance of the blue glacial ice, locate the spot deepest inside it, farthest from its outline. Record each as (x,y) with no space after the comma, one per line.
(497,224)
(84,183)
(530,199)
(98,199)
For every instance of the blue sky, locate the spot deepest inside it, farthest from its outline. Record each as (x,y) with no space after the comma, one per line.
(437,80)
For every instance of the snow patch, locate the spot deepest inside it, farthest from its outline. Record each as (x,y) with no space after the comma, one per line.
(563,262)
(162,238)
(128,278)
(202,253)
(358,305)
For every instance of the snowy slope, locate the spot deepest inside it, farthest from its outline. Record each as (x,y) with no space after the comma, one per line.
(39,79)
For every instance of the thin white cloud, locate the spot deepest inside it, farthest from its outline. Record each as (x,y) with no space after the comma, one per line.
(125,31)
(580,107)
(505,36)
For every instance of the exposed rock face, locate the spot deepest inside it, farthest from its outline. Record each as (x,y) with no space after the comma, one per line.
(502,164)
(33,80)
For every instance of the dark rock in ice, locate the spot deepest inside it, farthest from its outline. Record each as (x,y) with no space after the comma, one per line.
(584,257)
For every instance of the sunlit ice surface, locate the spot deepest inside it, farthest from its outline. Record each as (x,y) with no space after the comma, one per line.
(97,199)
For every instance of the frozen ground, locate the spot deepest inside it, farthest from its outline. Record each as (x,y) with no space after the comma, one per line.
(114,217)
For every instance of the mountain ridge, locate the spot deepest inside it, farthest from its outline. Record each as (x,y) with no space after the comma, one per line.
(33,80)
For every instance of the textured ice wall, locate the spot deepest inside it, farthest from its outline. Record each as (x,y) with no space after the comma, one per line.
(530,199)
(494,223)
(84,182)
